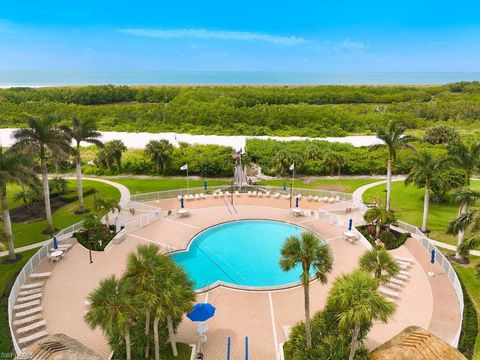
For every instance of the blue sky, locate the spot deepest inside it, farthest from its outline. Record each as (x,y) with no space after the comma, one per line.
(243,35)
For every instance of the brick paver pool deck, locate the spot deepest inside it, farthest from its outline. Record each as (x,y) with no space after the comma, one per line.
(263,316)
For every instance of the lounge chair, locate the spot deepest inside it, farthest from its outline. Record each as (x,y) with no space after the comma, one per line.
(331,200)
(268,194)
(191,197)
(403,266)
(29,297)
(215,195)
(30,292)
(249,193)
(179,197)
(40,275)
(260,194)
(254,194)
(28,319)
(388,292)
(396,282)
(237,194)
(404,259)
(401,277)
(26,305)
(277,195)
(309,198)
(28,312)
(31,286)
(197,197)
(337,198)
(227,193)
(31,327)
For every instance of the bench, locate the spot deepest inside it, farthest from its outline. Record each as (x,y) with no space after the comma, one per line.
(31,327)
(28,319)
(40,275)
(31,286)
(29,312)
(30,297)
(26,305)
(33,337)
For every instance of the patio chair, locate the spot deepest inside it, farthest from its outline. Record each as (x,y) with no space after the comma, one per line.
(197,197)
(260,194)
(249,193)
(215,195)
(268,194)
(309,198)
(254,194)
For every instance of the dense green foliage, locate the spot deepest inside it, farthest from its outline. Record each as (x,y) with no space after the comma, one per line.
(469,333)
(249,110)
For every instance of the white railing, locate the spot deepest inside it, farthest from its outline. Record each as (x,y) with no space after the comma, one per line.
(306,192)
(443,262)
(28,269)
(171,194)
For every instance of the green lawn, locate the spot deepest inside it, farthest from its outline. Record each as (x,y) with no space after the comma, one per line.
(343,185)
(138,186)
(30,233)
(7,274)
(407,202)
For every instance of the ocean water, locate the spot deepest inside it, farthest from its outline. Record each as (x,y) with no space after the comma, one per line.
(244,253)
(10,78)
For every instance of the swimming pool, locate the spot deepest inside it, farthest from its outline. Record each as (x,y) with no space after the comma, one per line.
(242,253)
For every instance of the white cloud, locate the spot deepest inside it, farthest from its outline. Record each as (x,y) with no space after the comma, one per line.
(348,44)
(203,34)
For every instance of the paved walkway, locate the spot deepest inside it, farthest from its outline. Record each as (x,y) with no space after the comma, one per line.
(264,316)
(124,200)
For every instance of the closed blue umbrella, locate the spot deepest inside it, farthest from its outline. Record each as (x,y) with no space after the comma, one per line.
(181,202)
(350,223)
(284,185)
(201,312)
(205,185)
(55,243)
(296,201)
(432,259)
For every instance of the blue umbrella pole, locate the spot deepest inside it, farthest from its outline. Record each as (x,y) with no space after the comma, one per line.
(228,348)
(246,347)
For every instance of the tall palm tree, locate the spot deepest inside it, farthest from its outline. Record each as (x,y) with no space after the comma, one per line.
(141,268)
(425,168)
(15,168)
(379,263)
(356,298)
(115,148)
(379,217)
(175,296)
(108,205)
(160,152)
(465,157)
(393,137)
(465,197)
(82,130)
(112,309)
(334,161)
(308,250)
(41,136)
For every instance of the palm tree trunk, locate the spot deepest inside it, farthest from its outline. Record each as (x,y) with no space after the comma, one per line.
(155,337)
(7,227)
(426,205)
(147,332)
(353,347)
(46,194)
(389,184)
(461,233)
(78,164)
(306,289)
(171,334)
(129,346)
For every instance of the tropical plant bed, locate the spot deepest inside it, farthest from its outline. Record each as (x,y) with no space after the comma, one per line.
(95,241)
(390,238)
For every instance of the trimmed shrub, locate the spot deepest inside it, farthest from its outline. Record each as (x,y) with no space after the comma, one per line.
(468,336)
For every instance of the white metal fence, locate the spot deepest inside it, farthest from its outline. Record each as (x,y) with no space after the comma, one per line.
(443,262)
(28,269)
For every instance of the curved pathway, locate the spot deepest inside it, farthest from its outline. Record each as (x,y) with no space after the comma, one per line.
(357,199)
(124,200)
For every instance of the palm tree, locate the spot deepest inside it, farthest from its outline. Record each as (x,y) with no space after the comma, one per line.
(175,296)
(82,130)
(108,205)
(15,168)
(356,298)
(41,136)
(334,161)
(379,262)
(283,160)
(308,250)
(465,196)
(114,149)
(27,195)
(465,157)
(422,173)
(379,217)
(112,309)
(393,136)
(141,268)
(160,152)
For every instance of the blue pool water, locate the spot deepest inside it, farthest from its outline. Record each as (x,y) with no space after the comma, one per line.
(245,253)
